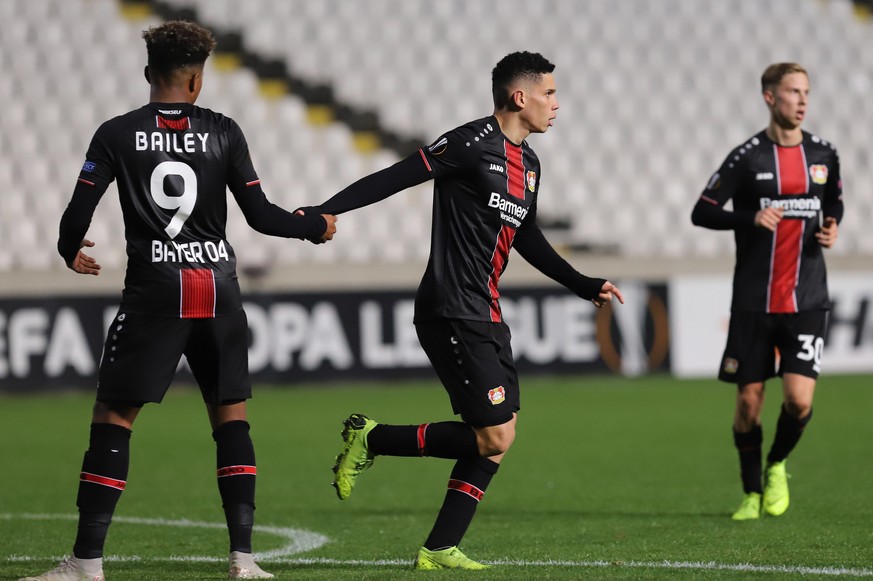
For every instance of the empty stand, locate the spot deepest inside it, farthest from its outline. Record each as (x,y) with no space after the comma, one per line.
(653,95)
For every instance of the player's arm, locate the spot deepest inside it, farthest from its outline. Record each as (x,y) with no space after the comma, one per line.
(832,206)
(709,210)
(94,177)
(449,154)
(268,218)
(408,172)
(261,214)
(74,225)
(531,244)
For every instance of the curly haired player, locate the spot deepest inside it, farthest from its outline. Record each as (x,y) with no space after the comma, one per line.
(173,162)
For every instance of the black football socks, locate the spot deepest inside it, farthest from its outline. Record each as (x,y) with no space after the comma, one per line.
(749,447)
(466,487)
(788,432)
(439,440)
(236,471)
(101,481)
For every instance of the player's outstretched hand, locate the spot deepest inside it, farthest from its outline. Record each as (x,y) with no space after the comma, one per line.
(331,227)
(827,234)
(84,264)
(330,219)
(607,291)
(768,218)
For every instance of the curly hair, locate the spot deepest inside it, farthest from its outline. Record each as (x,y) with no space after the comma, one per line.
(531,65)
(177,44)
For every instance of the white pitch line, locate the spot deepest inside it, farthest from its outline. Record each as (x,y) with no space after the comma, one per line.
(298,540)
(302,540)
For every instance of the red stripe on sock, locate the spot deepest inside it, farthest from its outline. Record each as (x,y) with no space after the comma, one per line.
(422,430)
(466,488)
(236,471)
(102,480)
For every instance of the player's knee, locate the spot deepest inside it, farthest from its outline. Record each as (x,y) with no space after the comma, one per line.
(496,440)
(798,407)
(749,405)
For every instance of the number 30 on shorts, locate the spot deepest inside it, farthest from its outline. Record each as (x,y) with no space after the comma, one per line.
(812,348)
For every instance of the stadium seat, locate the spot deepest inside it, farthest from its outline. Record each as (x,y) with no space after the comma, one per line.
(651,102)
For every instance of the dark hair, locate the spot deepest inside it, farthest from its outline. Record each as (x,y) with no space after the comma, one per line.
(773,74)
(531,65)
(176,44)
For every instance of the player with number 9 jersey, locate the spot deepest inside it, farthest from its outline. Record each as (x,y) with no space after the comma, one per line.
(173,163)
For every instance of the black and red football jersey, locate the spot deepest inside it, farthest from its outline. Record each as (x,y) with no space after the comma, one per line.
(173,164)
(485,190)
(781,272)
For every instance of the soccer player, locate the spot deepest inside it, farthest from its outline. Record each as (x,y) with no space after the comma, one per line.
(487,180)
(787,205)
(173,162)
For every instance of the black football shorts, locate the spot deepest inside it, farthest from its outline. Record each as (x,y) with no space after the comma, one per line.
(756,341)
(473,360)
(142,353)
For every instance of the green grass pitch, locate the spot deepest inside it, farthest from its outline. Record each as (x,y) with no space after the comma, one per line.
(609,478)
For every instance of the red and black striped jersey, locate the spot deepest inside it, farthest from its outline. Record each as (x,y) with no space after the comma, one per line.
(485,203)
(781,271)
(485,190)
(173,164)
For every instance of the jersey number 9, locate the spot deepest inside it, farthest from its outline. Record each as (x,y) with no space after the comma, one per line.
(184,204)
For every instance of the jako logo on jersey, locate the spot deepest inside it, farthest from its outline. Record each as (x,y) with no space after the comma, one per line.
(819,174)
(497,395)
(439,147)
(507,207)
(531,180)
(764,175)
(496,167)
(89,166)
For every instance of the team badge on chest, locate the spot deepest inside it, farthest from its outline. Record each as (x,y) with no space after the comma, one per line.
(531,180)
(819,174)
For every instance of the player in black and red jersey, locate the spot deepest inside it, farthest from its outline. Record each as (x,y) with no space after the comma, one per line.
(787,206)
(487,180)
(173,162)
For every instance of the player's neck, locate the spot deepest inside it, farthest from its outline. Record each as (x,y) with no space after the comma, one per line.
(170,95)
(783,136)
(511,126)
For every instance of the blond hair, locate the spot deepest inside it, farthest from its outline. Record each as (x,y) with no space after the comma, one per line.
(774,74)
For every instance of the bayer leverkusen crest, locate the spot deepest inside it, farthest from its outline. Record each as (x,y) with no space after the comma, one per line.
(497,395)
(531,180)
(819,173)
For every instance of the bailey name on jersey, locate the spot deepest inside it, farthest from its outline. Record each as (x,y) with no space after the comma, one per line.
(171,142)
